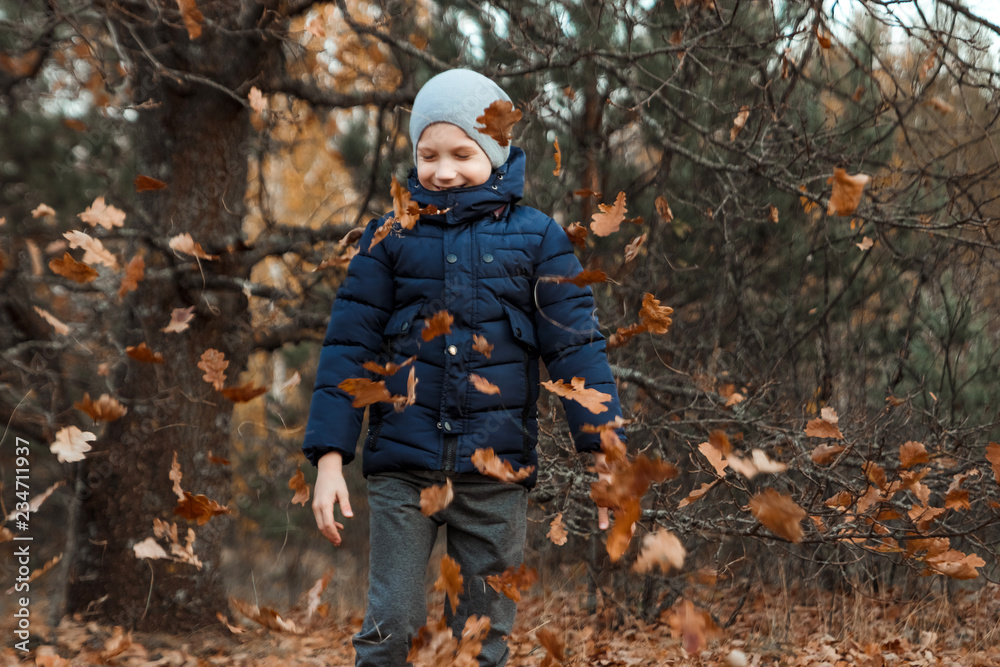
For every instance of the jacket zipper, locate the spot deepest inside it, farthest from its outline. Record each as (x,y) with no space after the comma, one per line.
(450,452)
(525,438)
(374,431)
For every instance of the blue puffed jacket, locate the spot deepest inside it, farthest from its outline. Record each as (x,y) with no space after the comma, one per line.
(481,261)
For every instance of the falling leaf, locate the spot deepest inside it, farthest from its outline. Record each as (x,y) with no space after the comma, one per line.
(582,279)
(389,369)
(482,346)
(557,531)
(956,564)
(450,580)
(497,120)
(149,548)
(488,463)
(663,209)
(623,493)
(697,493)
(661,549)
(351,237)
(512,581)
(135,271)
(143,183)
(298,484)
(438,324)
(558,158)
(214,363)
(57,324)
(71,444)
(772,213)
(94,250)
(483,385)
(554,647)
(715,458)
(847,192)
(592,399)
(940,105)
(100,213)
(105,409)
(435,498)
(632,249)
(866,243)
(243,393)
(67,267)
(654,316)
(175,477)
(381,232)
(265,616)
(825,454)
(779,513)
(141,352)
(692,626)
(912,453)
(401,402)
(180,320)
(825,426)
(199,508)
(824,40)
(993,456)
(41,211)
(624,334)
(192,17)
(406,211)
(365,391)
(185,244)
(586,192)
(739,122)
(610,218)
(577,234)
(257,100)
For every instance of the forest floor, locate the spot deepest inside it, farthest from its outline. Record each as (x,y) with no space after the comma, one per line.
(792,628)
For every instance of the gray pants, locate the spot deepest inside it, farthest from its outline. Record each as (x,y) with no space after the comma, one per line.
(486,525)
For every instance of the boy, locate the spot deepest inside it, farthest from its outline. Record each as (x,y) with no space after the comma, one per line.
(479,259)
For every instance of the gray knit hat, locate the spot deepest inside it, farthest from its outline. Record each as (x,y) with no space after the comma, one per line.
(458,96)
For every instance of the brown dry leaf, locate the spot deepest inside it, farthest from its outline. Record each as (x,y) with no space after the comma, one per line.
(866,243)
(956,564)
(582,279)
(450,580)
(381,232)
(389,369)
(779,513)
(365,391)
(697,493)
(243,393)
(406,211)
(654,316)
(513,580)
(661,549)
(993,456)
(715,457)
(483,385)
(135,271)
(149,548)
(192,17)
(185,244)
(94,250)
(401,402)
(663,209)
(199,508)
(592,399)
(71,444)
(497,120)
(482,346)
(265,616)
(692,626)
(298,484)
(141,352)
(105,409)
(42,210)
(175,477)
(587,192)
(557,531)
(623,494)
(577,234)
(105,215)
(436,498)
(214,363)
(772,213)
(67,267)
(257,100)
(847,192)
(57,324)
(624,335)
(632,249)
(824,427)
(825,454)
(554,647)
(940,105)
(739,122)
(610,218)
(824,40)
(912,453)
(438,324)
(488,463)
(558,158)
(180,320)
(143,183)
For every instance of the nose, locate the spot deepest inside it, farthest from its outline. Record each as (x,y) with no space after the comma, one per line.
(446,170)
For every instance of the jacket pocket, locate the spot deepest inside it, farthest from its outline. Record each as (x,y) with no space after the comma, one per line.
(402,320)
(521,326)
(374,425)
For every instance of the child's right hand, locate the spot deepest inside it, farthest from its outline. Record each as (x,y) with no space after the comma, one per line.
(331,489)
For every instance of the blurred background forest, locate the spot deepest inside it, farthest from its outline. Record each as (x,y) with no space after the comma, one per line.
(268,131)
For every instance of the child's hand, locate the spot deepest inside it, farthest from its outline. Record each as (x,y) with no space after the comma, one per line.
(603,475)
(330,490)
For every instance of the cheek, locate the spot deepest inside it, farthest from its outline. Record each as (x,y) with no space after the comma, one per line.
(425,172)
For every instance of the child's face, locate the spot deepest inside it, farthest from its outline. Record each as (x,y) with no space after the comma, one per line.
(448,158)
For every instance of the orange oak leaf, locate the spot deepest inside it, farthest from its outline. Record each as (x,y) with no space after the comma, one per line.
(175,477)
(104,409)
(192,17)
(389,369)
(554,646)
(482,346)
(141,352)
(739,122)
(847,192)
(582,279)
(243,393)
(94,250)
(772,213)
(365,391)
(623,494)
(587,192)
(654,316)
(406,211)
(257,100)
(697,493)
(483,385)
(401,402)
(71,444)
(513,580)
(42,210)
(632,249)
(661,549)
(298,484)
(488,463)
(993,456)
(825,426)
(135,271)
(557,531)
(610,218)
(436,498)
(143,183)
(825,454)
(185,244)
(956,564)
(497,120)
(180,319)
(715,457)
(779,513)
(592,399)
(438,324)
(214,363)
(450,580)
(912,453)
(823,39)
(67,267)
(381,232)
(577,234)
(663,209)
(558,158)
(199,508)
(866,243)
(624,335)
(105,215)
(692,626)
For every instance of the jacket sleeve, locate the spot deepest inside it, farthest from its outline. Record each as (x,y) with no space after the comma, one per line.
(570,342)
(360,312)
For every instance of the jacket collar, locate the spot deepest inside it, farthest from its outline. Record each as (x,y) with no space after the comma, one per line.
(505,186)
